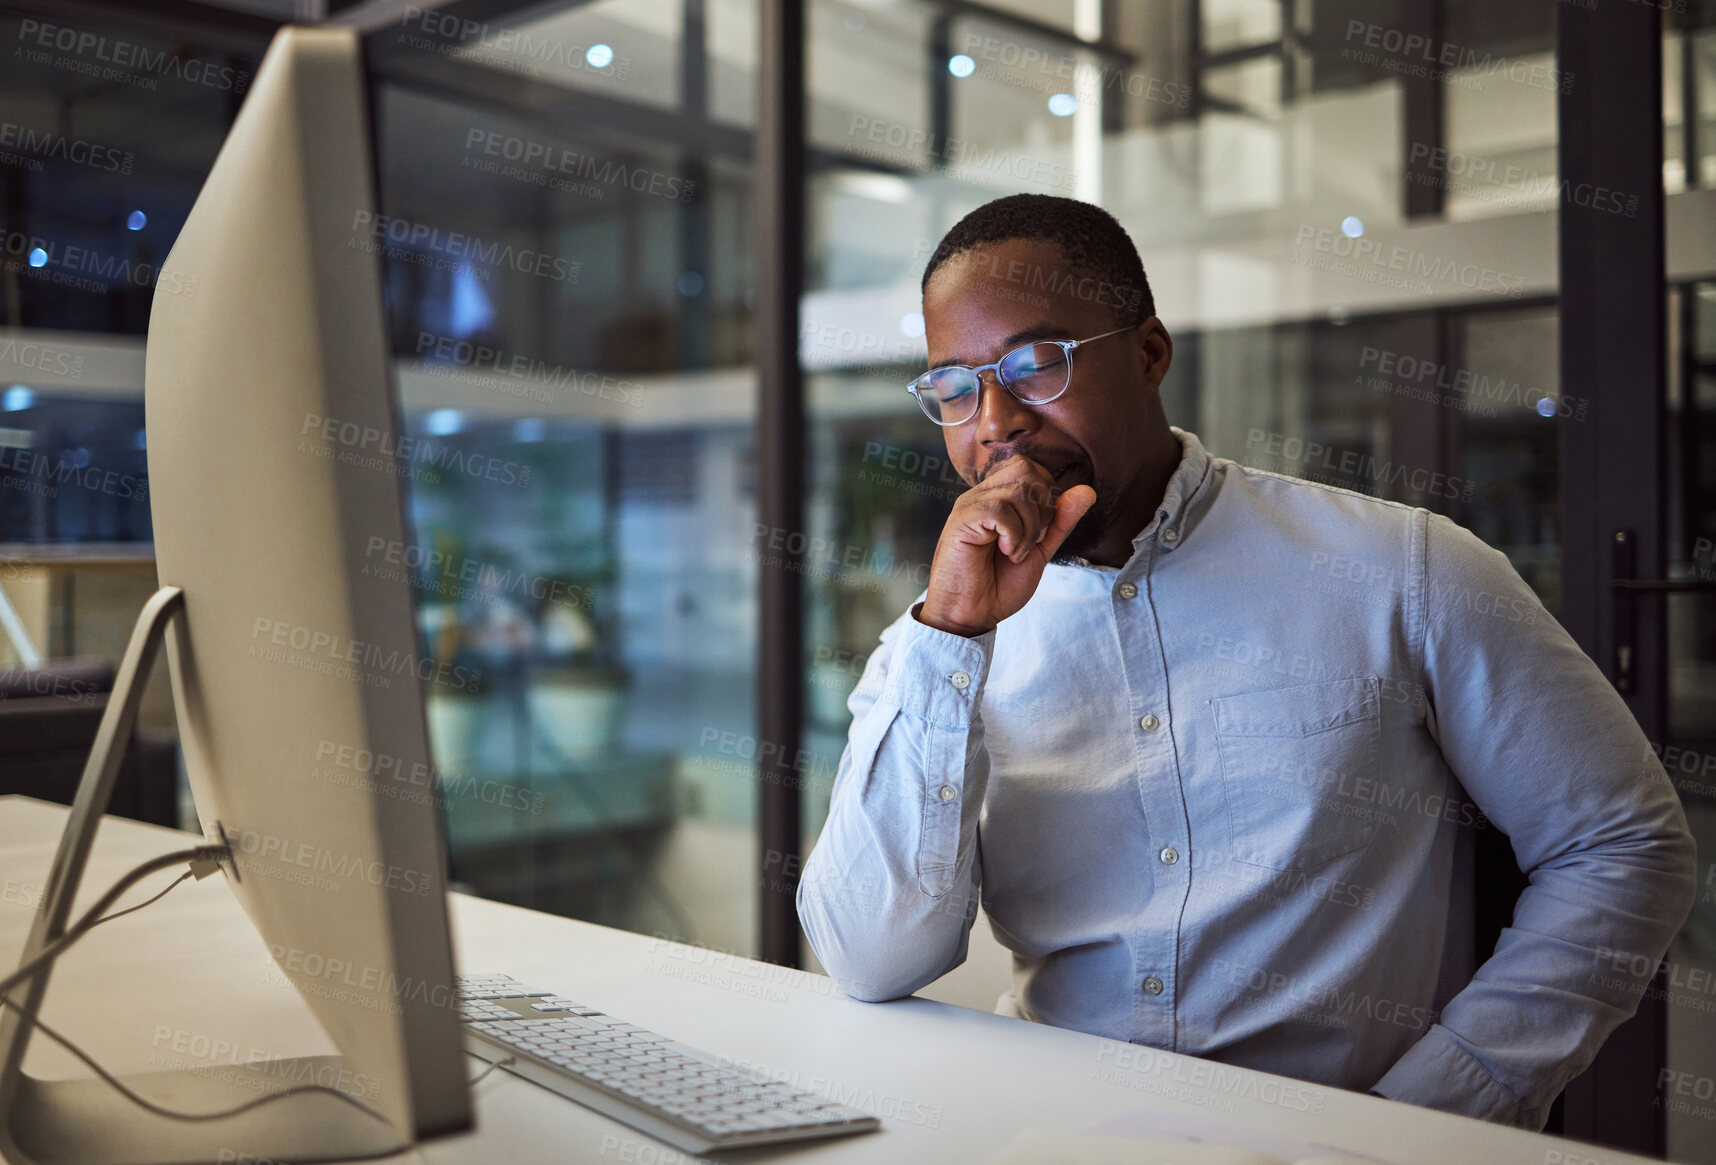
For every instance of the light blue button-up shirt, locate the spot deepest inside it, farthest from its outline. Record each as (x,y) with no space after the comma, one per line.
(1221,800)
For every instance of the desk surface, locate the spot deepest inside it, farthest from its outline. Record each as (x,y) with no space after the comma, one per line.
(952,1084)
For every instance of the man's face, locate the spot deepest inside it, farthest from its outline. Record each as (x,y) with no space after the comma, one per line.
(985,302)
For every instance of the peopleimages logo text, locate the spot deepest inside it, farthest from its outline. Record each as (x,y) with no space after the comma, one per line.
(560,160)
(1366,257)
(338,649)
(532,48)
(394,449)
(42,474)
(1353,464)
(282,851)
(122,60)
(388,230)
(43,358)
(65,262)
(75,150)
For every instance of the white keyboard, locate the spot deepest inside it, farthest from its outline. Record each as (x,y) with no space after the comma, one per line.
(672,1092)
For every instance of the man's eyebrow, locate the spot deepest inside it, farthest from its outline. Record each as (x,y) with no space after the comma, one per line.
(1044,331)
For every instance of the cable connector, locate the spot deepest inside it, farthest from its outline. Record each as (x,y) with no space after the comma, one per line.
(210,859)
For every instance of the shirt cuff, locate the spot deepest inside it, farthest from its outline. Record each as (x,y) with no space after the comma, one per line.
(936,674)
(1438,1072)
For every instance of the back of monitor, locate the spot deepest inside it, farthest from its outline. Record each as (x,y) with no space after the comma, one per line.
(298,687)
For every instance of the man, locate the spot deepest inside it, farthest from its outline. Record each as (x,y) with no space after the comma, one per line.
(1212,742)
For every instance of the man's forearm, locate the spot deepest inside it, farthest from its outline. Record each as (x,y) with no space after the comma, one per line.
(890,890)
(1552,755)
(1537,1011)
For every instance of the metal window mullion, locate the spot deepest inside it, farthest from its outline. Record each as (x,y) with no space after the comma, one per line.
(1613,324)
(780,466)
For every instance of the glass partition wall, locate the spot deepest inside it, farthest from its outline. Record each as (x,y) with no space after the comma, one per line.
(601,578)
(1349,213)
(105,137)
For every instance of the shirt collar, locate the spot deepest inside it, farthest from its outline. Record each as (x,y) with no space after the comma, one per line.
(1184,486)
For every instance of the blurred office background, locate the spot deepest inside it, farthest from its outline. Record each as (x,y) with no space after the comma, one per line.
(609,591)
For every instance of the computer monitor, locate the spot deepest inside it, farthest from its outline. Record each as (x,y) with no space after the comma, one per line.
(273,464)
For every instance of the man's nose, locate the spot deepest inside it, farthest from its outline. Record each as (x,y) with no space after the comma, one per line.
(1001,416)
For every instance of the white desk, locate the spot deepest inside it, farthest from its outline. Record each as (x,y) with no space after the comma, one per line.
(955,1085)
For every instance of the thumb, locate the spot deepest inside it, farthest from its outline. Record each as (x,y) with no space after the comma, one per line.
(1069,508)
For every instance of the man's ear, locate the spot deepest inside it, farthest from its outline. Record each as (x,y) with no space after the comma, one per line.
(1158,348)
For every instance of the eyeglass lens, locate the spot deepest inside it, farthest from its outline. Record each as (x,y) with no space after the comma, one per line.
(1034,373)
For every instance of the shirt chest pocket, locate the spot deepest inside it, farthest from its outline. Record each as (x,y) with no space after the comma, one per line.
(1290,760)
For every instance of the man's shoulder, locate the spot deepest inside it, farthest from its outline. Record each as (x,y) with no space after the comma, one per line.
(1269,486)
(1260,515)
(1446,557)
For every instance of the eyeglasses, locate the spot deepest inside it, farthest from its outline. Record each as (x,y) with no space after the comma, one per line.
(1034,373)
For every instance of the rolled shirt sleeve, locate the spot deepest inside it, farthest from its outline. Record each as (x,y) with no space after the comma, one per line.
(1549,751)
(890,890)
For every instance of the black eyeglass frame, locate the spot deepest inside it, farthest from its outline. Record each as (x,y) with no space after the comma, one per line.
(1066,347)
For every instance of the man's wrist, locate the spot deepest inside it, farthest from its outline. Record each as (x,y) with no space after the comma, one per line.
(935,675)
(920,613)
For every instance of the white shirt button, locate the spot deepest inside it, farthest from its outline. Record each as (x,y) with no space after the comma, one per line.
(1149,723)
(1169,855)
(948,793)
(1128,591)
(959,680)
(1170,535)
(1153,986)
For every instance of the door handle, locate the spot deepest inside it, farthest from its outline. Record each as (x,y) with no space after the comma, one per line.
(1625,589)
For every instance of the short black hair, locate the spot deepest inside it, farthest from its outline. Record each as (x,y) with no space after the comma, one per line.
(1091,240)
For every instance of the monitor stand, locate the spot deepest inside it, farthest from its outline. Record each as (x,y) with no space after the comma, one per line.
(86,1121)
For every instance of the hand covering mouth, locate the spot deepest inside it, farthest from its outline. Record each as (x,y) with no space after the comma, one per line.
(1067,468)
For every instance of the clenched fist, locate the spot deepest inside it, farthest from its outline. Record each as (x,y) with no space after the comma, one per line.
(1001,534)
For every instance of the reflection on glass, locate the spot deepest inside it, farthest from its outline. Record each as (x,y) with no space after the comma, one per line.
(567,294)
(94,193)
(1230,24)
(1006,128)
(1251,86)
(869,78)
(1689,752)
(1066,15)
(1509,447)
(1689,83)
(621,50)
(731,29)
(72,469)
